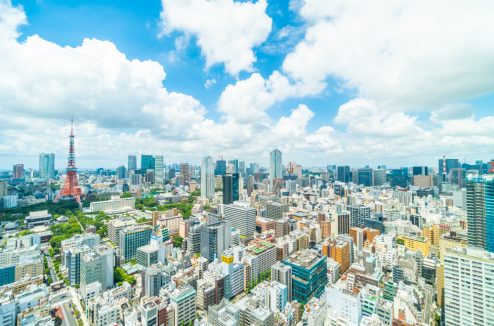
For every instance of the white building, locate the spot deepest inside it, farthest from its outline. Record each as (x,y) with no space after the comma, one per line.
(207,178)
(114,205)
(468,287)
(242,217)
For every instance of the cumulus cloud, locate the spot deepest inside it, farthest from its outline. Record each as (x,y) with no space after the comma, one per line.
(411,53)
(226,31)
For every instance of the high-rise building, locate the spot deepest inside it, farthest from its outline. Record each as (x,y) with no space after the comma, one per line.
(184,174)
(241,169)
(343,174)
(468,287)
(183,299)
(227,189)
(158,169)
(242,217)
(46,165)
(445,165)
(120,172)
(151,279)
(97,266)
(233,165)
(235,186)
(215,239)
(18,171)
(220,168)
(147,162)
(366,177)
(132,163)
(480,212)
(457,176)
(131,238)
(275,164)
(358,214)
(379,177)
(309,274)
(282,273)
(420,170)
(343,223)
(207,178)
(3,188)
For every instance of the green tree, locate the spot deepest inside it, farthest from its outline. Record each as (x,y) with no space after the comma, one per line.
(177,241)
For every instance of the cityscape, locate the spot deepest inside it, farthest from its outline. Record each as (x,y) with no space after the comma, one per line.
(125,203)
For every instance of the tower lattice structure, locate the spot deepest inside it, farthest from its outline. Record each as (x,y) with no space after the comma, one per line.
(71,187)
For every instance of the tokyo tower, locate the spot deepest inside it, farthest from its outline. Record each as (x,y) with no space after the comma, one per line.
(71,187)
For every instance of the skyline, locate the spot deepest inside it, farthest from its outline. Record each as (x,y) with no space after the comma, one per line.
(152,80)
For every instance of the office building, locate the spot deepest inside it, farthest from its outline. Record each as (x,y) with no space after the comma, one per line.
(379,177)
(97,266)
(121,172)
(227,189)
(309,274)
(343,174)
(159,169)
(282,273)
(235,186)
(275,164)
(480,212)
(420,170)
(147,162)
(46,165)
(260,255)
(152,281)
(220,168)
(133,237)
(116,225)
(184,174)
(132,163)
(468,287)
(183,299)
(242,217)
(3,189)
(147,255)
(274,210)
(18,171)
(415,243)
(445,165)
(343,223)
(114,205)
(366,177)
(215,239)
(358,214)
(207,178)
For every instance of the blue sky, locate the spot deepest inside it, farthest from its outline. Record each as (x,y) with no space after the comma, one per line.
(327,82)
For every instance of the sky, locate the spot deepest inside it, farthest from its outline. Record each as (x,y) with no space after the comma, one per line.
(398,83)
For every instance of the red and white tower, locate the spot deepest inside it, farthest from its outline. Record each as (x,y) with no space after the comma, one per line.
(71,187)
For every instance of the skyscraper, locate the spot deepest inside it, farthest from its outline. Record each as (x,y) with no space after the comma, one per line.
(480,212)
(366,177)
(184,174)
(445,165)
(227,189)
(275,164)
(158,169)
(343,173)
(220,168)
(18,171)
(235,186)
(132,163)
(46,165)
(234,165)
(215,238)
(242,217)
(120,172)
(207,178)
(147,162)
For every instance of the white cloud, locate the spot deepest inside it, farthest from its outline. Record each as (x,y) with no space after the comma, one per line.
(226,31)
(363,116)
(411,53)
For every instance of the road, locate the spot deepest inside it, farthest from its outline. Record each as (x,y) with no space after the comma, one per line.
(62,299)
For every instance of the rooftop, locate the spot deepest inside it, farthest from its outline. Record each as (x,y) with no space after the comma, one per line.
(306,258)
